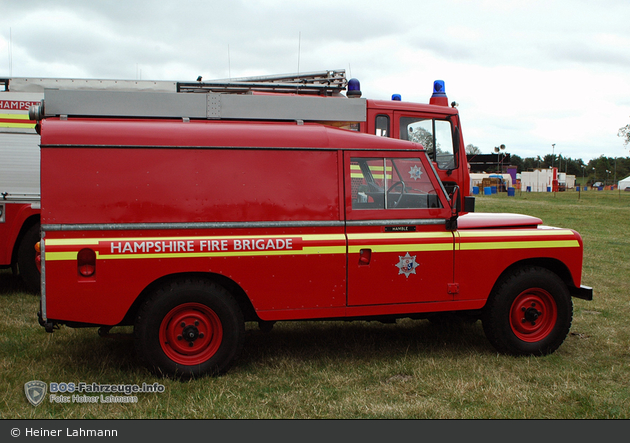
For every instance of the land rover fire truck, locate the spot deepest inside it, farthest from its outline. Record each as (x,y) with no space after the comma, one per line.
(163,212)
(433,125)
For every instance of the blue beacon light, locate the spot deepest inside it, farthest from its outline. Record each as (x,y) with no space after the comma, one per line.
(439,94)
(354,88)
(396,97)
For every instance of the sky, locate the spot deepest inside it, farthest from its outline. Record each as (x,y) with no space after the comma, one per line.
(526,74)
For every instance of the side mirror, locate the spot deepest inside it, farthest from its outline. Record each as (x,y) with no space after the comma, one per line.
(469,204)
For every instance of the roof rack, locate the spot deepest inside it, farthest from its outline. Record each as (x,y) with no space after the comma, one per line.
(210,105)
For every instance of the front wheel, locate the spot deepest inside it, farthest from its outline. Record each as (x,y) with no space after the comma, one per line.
(189,328)
(528,313)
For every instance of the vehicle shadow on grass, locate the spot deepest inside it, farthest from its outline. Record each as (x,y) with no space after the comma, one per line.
(343,342)
(361,341)
(87,354)
(12,284)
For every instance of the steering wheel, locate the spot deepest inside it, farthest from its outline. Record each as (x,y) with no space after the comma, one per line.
(402,191)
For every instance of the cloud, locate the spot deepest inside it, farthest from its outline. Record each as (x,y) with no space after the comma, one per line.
(526,73)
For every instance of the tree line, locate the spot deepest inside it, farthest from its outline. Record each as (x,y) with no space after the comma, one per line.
(603,169)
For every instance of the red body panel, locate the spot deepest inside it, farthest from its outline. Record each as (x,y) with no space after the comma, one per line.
(144,187)
(483,254)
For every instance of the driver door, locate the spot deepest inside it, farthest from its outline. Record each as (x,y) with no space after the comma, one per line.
(399,250)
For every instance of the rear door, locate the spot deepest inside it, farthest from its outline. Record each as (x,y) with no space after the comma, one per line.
(399,250)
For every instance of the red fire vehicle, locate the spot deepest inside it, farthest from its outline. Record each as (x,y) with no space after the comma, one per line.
(19,185)
(433,124)
(186,227)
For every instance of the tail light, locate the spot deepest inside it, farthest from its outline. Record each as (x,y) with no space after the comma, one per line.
(38,256)
(86,262)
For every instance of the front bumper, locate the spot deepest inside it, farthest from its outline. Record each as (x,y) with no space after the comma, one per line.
(583,292)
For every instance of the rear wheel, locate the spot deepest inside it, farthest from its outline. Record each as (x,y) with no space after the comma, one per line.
(529,313)
(190,328)
(26,259)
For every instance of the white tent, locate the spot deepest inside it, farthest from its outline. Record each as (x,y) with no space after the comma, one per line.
(625,183)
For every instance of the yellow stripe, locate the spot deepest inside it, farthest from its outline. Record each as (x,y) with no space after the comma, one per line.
(372,168)
(377,172)
(56,256)
(409,235)
(306,250)
(519,245)
(414,247)
(518,233)
(15,116)
(17,125)
(313,250)
(96,241)
(73,241)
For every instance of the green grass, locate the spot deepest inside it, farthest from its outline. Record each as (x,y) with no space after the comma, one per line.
(412,369)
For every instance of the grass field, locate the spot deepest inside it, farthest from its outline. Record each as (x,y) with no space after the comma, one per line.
(412,369)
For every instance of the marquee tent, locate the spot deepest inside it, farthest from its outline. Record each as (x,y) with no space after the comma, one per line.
(625,183)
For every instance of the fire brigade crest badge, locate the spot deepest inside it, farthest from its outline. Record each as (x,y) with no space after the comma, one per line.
(415,172)
(35,391)
(407,265)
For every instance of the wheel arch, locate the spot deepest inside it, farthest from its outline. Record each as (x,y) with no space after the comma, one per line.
(554,265)
(249,313)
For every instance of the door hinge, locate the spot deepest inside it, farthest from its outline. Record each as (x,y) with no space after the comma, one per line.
(453,288)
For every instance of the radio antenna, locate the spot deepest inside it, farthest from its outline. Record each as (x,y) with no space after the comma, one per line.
(10,52)
(299,50)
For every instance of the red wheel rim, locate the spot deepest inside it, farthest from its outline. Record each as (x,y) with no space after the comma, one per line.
(533,315)
(190,334)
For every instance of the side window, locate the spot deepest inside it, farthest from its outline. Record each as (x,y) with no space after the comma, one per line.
(391,183)
(436,136)
(444,154)
(381,125)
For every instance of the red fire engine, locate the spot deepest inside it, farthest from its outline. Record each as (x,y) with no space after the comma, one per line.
(157,213)
(434,124)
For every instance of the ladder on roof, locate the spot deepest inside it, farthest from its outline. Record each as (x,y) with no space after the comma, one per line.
(324,83)
(328,83)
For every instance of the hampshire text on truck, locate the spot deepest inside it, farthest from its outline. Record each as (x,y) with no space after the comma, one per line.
(202,245)
(79,432)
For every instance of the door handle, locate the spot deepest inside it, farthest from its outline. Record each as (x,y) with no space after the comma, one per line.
(365,255)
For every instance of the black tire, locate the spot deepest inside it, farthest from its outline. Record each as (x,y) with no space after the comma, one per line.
(26,260)
(528,313)
(189,328)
